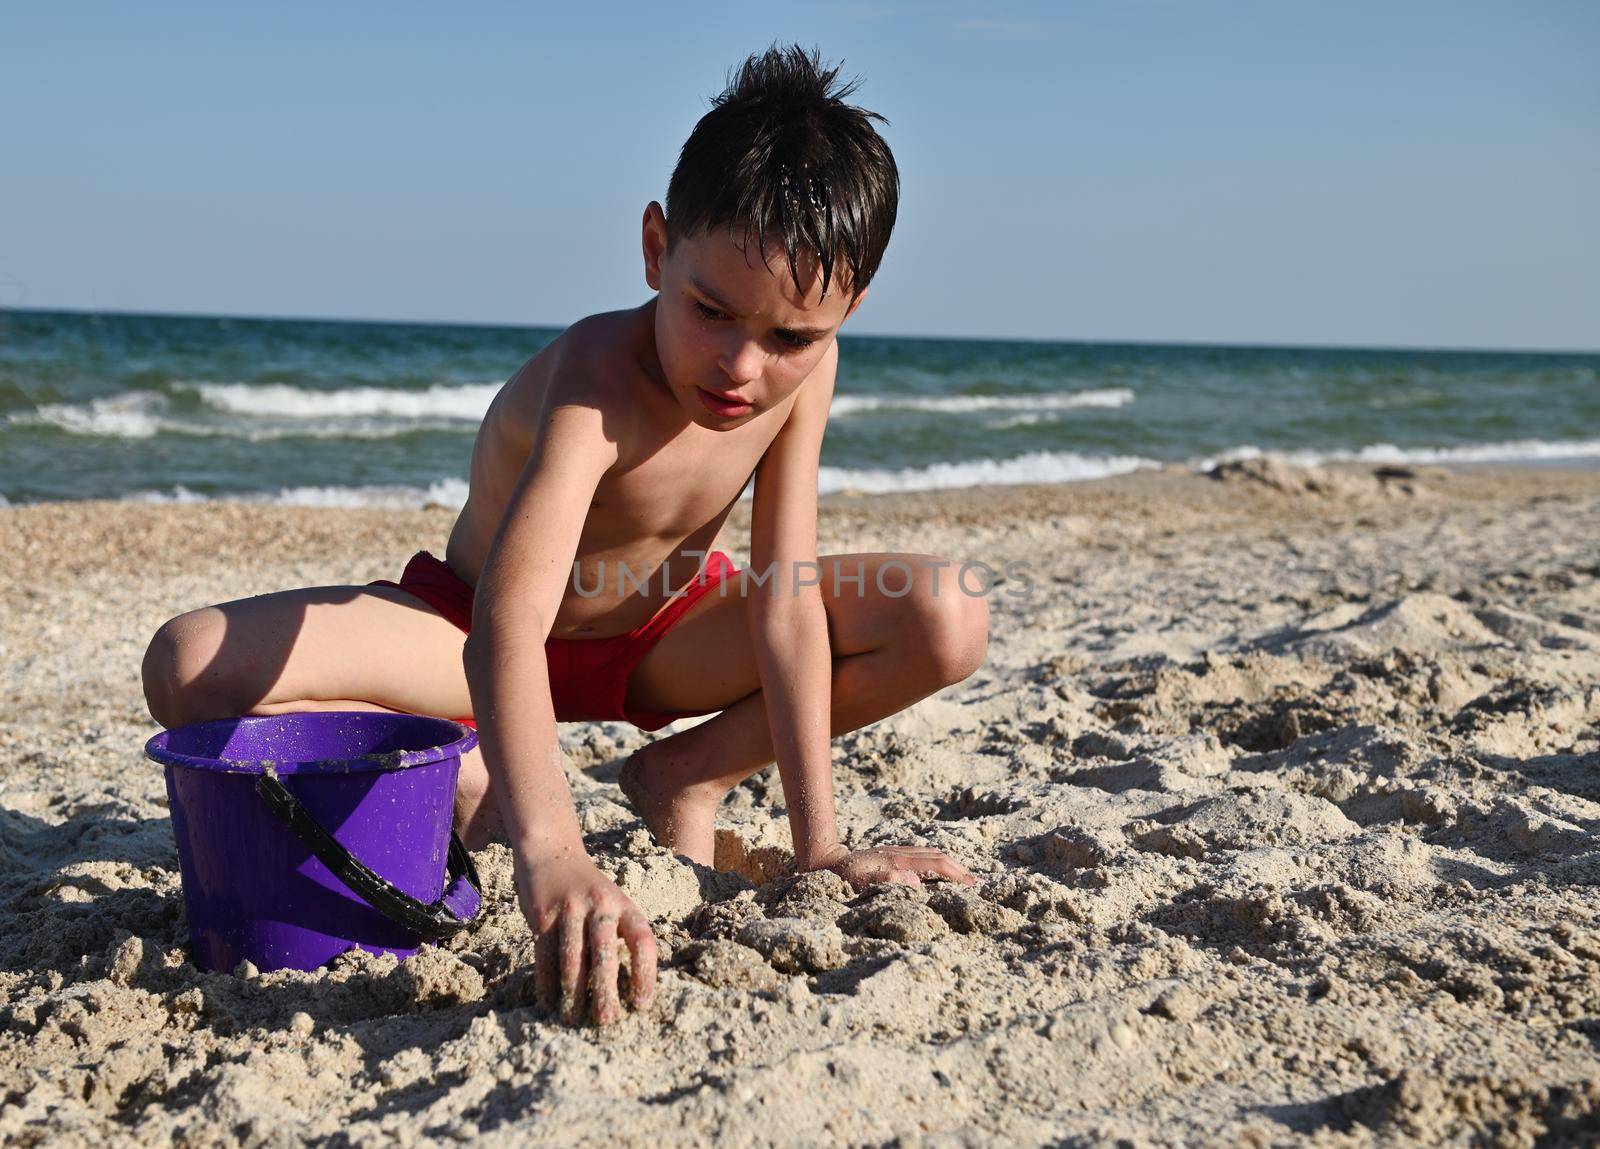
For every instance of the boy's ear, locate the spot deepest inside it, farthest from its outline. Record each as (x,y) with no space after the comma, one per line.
(655,243)
(855,303)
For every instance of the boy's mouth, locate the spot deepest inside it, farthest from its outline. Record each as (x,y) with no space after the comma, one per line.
(717,405)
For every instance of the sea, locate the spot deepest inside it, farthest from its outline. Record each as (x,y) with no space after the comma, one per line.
(170,408)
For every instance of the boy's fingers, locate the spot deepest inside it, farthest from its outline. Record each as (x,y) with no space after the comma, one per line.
(642,948)
(603,962)
(547,968)
(931,863)
(572,971)
(949,868)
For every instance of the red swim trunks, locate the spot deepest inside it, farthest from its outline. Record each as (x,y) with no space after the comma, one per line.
(588,677)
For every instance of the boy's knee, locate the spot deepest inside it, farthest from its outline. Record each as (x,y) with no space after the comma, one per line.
(951,620)
(179,650)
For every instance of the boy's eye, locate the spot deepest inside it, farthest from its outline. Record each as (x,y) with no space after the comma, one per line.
(798,342)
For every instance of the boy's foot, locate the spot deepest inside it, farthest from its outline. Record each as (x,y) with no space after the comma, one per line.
(682,819)
(477,817)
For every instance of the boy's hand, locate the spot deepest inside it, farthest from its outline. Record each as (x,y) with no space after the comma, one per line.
(907,865)
(580,917)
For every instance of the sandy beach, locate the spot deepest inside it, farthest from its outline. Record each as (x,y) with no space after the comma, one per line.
(1282,786)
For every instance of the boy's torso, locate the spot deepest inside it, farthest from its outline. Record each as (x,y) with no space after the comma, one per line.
(669,494)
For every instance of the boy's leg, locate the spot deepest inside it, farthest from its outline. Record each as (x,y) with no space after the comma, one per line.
(319,648)
(889,650)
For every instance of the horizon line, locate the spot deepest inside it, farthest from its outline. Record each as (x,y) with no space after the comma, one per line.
(482,325)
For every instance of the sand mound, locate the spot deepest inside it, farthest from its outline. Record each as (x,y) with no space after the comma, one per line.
(1414,623)
(1277,474)
(1241,820)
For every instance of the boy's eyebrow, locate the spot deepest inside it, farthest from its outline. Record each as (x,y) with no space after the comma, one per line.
(811,332)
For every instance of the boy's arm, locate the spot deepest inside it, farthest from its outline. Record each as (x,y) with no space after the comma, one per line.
(788,621)
(576,910)
(789,632)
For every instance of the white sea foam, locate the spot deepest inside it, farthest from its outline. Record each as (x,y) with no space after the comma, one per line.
(271,411)
(1513,451)
(1025,419)
(182,494)
(1110,397)
(1519,450)
(279,411)
(145,414)
(467,401)
(133,415)
(1033,467)
(450,492)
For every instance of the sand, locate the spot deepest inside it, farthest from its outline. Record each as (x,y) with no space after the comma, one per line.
(1282,786)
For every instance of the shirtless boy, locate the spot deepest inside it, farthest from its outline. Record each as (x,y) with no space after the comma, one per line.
(613,454)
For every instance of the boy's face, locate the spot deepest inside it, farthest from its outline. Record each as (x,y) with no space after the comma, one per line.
(736,336)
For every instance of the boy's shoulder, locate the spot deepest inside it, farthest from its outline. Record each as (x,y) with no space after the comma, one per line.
(596,363)
(596,356)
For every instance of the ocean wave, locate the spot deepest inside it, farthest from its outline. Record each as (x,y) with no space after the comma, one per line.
(1518,450)
(272,411)
(1513,451)
(132,415)
(1035,467)
(450,493)
(1109,397)
(1032,467)
(145,414)
(467,401)
(1025,419)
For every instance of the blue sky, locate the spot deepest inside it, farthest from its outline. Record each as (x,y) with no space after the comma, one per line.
(1345,173)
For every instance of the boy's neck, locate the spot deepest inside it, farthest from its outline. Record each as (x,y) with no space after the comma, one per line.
(644,319)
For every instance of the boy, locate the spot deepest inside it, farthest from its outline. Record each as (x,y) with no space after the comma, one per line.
(614,453)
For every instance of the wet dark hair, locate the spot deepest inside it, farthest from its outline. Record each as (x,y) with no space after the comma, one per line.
(780,151)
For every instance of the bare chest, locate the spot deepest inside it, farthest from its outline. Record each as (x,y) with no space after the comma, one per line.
(656,514)
(676,490)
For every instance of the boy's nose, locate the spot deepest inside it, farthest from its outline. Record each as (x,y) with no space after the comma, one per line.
(741,363)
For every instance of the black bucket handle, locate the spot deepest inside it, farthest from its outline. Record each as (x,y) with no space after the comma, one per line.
(444,918)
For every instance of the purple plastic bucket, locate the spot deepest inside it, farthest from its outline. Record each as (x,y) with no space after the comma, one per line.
(302,835)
